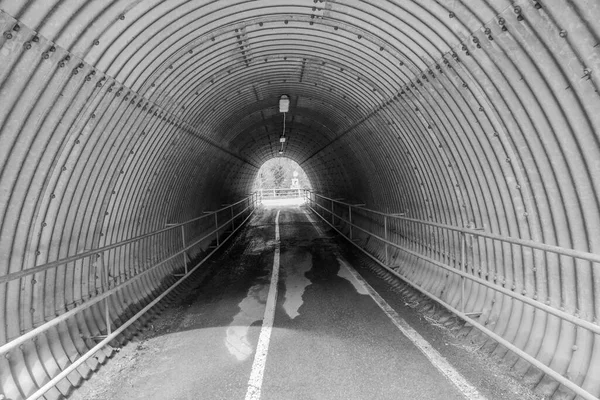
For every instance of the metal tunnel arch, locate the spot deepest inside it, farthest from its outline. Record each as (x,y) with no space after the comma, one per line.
(119,117)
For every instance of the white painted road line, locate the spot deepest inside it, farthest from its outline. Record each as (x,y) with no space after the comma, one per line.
(438,361)
(314,224)
(260,358)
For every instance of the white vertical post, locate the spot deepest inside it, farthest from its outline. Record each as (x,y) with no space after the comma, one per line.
(332,217)
(463,268)
(350,219)
(107,317)
(385,229)
(217,227)
(185,257)
(106,276)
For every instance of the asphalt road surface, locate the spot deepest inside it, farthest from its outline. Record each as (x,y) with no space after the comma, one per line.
(316,331)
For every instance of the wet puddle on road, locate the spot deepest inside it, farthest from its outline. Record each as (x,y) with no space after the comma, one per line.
(253,306)
(252,309)
(344,272)
(295,283)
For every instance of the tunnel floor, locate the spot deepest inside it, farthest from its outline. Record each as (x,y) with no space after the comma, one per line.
(330,338)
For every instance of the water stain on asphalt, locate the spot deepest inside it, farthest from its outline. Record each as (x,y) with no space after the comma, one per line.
(344,272)
(296,281)
(251,311)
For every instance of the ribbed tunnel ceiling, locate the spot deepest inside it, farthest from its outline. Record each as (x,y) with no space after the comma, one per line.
(117,117)
(439,82)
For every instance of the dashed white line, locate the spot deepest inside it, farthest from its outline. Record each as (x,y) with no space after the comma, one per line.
(260,358)
(438,361)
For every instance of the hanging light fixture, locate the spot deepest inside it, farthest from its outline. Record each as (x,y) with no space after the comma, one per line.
(284,104)
(284,107)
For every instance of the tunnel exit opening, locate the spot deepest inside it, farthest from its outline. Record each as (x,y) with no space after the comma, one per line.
(281,181)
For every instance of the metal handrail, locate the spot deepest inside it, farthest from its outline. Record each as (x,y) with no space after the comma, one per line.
(464,275)
(104,296)
(461,313)
(98,298)
(275,191)
(558,313)
(39,268)
(592,257)
(113,335)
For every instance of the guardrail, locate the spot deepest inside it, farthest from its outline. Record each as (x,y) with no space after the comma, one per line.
(449,264)
(105,279)
(268,194)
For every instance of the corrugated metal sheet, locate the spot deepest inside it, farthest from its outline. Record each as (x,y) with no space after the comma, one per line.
(117,117)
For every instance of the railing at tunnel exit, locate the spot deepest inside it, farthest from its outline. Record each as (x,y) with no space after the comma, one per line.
(474,274)
(281,196)
(279,193)
(107,271)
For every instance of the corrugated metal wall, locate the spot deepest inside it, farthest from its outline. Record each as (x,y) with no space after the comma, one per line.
(117,117)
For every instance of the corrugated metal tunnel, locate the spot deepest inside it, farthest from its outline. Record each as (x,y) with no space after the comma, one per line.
(119,117)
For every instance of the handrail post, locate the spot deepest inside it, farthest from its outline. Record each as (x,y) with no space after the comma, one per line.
(217,227)
(385,228)
(350,219)
(185,257)
(107,316)
(105,274)
(332,217)
(463,268)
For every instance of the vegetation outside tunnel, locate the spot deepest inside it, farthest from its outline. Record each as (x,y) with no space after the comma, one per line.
(281,173)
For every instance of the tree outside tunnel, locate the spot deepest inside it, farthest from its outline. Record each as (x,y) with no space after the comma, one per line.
(281,173)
